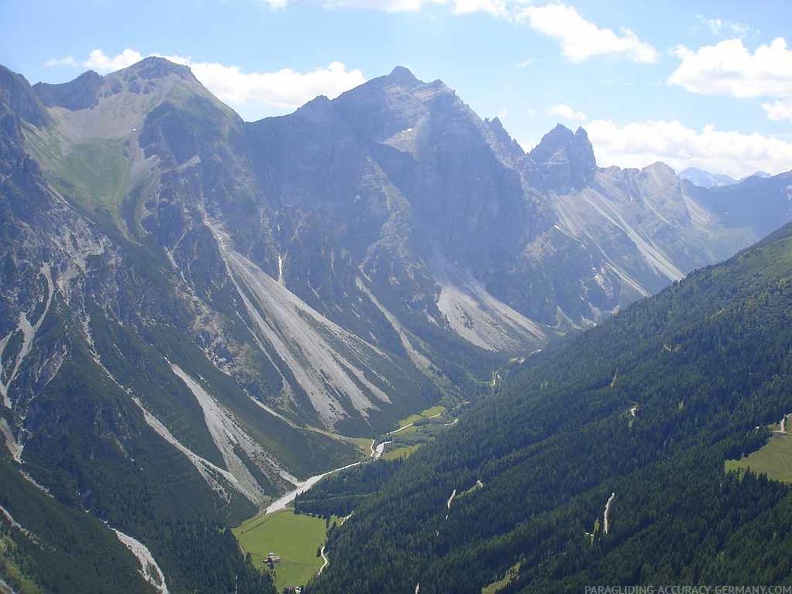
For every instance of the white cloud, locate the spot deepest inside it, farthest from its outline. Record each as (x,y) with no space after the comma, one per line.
(779,110)
(494,7)
(276,4)
(67,61)
(567,113)
(719,26)
(581,39)
(729,68)
(384,5)
(101,62)
(284,89)
(524,63)
(733,153)
(253,94)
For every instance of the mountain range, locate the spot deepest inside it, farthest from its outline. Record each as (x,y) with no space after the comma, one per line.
(705,179)
(191,303)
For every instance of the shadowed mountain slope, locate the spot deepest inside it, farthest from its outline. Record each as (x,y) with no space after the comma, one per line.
(197,313)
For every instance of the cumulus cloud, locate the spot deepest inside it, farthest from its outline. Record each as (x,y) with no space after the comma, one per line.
(101,62)
(253,94)
(494,7)
(564,111)
(732,153)
(729,68)
(581,39)
(284,89)
(67,61)
(779,110)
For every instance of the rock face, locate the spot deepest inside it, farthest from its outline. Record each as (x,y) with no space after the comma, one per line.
(220,294)
(562,161)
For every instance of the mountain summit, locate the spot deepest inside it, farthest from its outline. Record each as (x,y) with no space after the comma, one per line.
(184,294)
(562,161)
(403,76)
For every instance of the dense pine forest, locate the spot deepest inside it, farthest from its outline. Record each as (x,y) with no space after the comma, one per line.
(601,460)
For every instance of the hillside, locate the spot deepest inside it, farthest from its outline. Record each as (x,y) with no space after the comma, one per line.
(601,461)
(198,313)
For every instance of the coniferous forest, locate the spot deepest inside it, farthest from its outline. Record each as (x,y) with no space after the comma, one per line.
(599,461)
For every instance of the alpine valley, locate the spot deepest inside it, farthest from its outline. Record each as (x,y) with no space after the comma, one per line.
(198,313)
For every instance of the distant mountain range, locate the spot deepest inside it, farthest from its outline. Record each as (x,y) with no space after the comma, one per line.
(705,179)
(184,294)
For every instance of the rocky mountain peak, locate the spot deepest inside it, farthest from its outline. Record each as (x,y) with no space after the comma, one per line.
(319,108)
(389,105)
(504,145)
(403,77)
(80,93)
(17,94)
(154,67)
(86,90)
(563,160)
(658,168)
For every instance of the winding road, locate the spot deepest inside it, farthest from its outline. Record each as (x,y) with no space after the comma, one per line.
(411,424)
(326,561)
(285,500)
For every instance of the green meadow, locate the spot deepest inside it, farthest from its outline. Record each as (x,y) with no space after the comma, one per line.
(295,538)
(774,459)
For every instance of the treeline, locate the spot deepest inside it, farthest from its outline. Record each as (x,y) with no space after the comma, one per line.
(647,407)
(339,494)
(108,461)
(60,549)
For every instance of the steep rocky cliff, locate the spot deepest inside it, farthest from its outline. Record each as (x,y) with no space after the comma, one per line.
(195,304)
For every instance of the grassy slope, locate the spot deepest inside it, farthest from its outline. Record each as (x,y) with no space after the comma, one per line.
(774,459)
(401,452)
(295,538)
(94,173)
(413,432)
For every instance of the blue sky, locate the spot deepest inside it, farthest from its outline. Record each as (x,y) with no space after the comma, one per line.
(699,83)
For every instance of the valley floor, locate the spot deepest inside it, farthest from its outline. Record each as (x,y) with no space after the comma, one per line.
(296,539)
